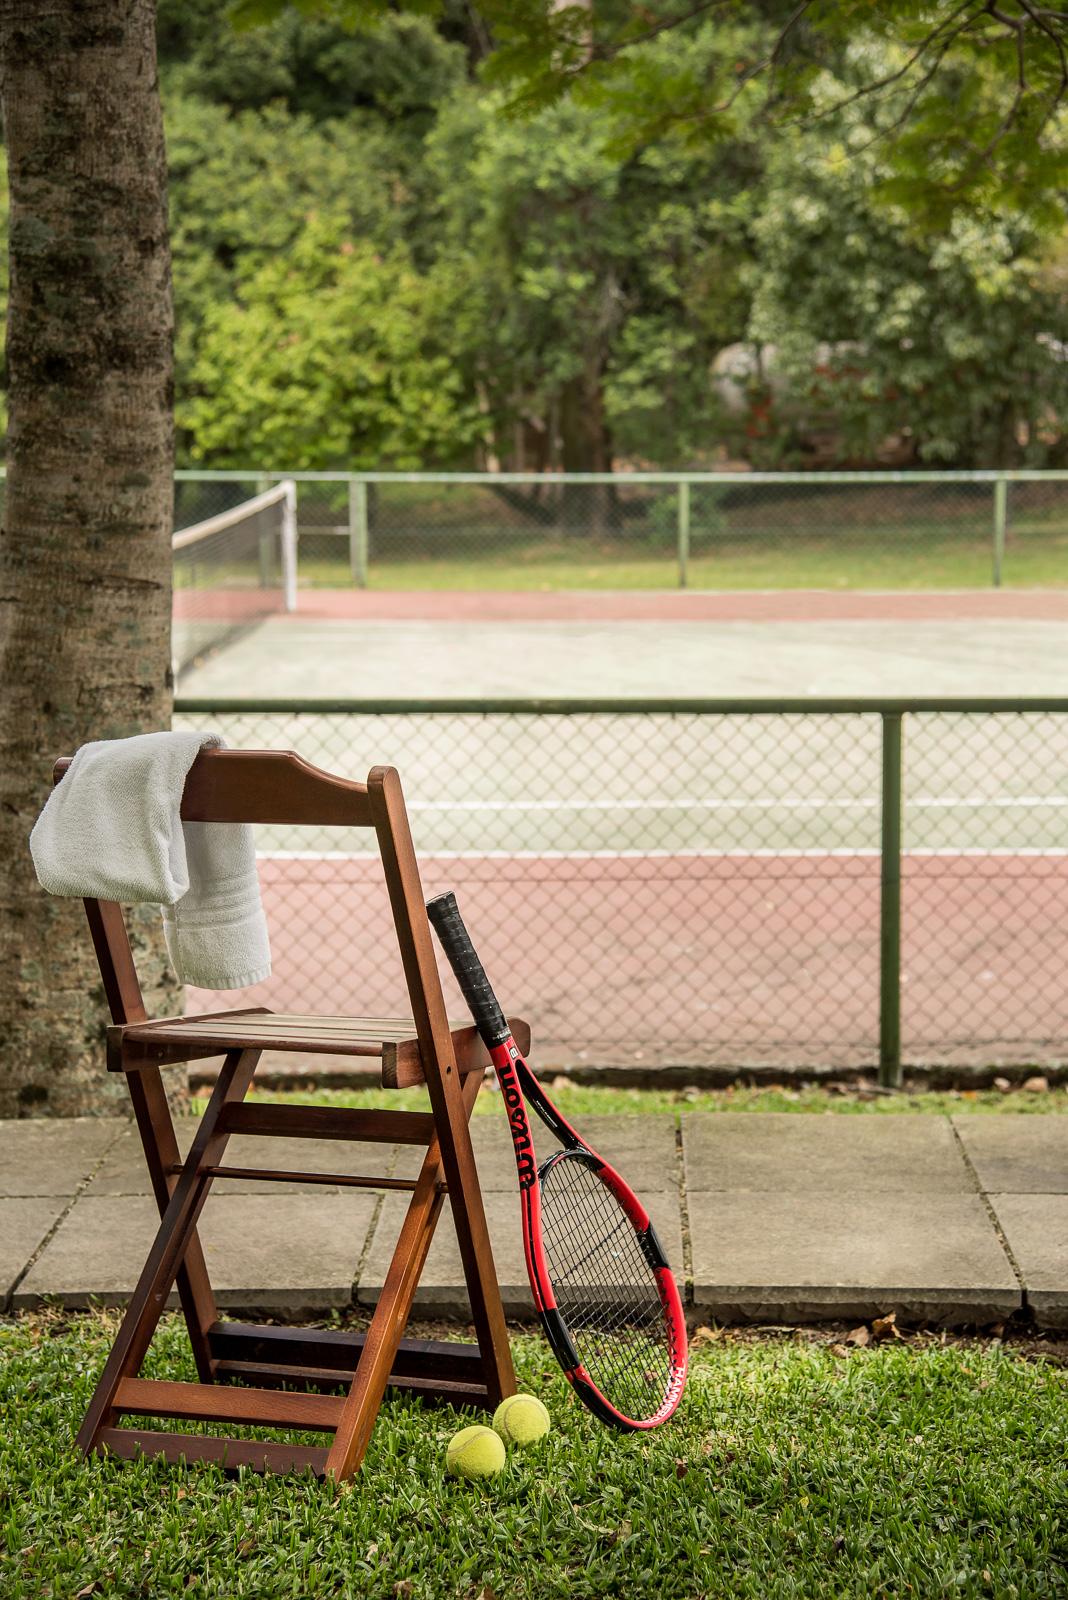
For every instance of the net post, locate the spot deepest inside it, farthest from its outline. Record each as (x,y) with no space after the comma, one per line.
(890,902)
(289,545)
(684,533)
(1001,503)
(358,532)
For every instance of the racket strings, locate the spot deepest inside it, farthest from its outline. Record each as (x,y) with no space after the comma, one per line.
(605,1288)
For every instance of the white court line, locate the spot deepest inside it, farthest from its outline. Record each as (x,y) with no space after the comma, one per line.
(786,803)
(647,855)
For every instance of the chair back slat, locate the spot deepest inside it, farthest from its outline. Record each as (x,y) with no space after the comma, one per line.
(265,786)
(270,786)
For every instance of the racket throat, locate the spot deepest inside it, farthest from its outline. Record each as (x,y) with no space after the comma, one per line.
(560,1341)
(504,1057)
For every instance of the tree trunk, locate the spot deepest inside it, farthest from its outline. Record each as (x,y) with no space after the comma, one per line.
(587,447)
(85,562)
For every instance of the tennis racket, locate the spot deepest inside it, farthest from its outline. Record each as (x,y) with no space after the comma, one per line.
(600,1280)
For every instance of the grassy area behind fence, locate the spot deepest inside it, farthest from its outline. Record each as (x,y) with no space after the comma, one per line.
(635,530)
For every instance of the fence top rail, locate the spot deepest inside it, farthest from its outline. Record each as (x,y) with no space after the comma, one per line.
(489,479)
(202,705)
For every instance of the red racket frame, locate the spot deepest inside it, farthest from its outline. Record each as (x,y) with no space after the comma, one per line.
(518,1084)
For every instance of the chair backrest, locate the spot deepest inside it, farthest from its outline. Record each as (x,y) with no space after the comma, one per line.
(265,786)
(271,786)
(278,786)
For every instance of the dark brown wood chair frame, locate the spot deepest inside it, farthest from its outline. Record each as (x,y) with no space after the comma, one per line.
(267,1375)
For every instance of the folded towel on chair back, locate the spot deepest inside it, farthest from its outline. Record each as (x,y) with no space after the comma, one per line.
(112,830)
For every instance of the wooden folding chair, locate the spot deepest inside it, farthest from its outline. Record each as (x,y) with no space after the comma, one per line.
(242,1368)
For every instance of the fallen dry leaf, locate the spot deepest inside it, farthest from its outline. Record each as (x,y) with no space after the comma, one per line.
(883,1327)
(1036,1085)
(681,1468)
(859,1336)
(1003,1084)
(705,1336)
(839,1350)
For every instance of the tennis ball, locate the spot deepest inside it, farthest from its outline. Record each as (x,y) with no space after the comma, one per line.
(475,1453)
(521,1419)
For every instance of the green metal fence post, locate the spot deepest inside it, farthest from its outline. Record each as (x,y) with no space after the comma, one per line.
(1001,502)
(890,904)
(358,532)
(266,548)
(684,533)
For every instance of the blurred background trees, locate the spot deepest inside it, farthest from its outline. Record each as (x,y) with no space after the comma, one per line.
(377,264)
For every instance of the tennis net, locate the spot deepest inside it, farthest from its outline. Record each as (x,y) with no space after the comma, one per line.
(232,570)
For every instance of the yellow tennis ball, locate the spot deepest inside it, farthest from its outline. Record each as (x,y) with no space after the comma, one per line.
(521,1419)
(475,1453)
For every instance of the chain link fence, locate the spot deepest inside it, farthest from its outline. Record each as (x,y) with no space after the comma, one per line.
(655,530)
(704,886)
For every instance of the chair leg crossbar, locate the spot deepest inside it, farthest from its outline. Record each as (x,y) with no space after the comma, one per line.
(275,1377)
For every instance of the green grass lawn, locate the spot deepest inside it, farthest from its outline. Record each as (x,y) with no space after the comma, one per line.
(578,1100)
(797,1467)
(914,556)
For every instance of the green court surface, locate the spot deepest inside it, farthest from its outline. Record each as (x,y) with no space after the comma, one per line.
(294,657)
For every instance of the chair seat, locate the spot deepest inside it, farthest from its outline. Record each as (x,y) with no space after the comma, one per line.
(135,1046)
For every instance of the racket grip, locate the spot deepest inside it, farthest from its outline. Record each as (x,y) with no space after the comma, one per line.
(448,924)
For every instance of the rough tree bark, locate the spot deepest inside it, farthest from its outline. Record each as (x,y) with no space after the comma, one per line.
(85,565)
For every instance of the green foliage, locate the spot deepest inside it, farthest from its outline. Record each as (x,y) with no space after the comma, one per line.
(969,100)
(324,359)
(955,346)
(587,293)
(565,215)
(242,187)
(398,68)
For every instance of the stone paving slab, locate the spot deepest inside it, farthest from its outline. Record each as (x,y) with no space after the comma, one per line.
(789,1256)
(1036,1227)
(1017,1154)
(298,1253)
(53,1157)
(787,1152)
(123,1170)
(23,1224)
(443,1291)
(644,1148)
(791,1217)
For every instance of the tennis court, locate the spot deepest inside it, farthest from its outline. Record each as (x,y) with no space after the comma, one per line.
(699,887)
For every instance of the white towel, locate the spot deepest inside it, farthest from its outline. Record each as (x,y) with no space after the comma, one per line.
(112,830)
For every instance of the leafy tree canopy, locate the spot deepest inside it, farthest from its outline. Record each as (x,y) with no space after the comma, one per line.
(324,357)
(969,97)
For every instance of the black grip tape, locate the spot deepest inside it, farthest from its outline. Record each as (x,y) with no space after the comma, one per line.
(448,924)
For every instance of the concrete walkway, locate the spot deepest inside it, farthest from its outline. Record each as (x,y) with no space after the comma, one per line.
(773,1217)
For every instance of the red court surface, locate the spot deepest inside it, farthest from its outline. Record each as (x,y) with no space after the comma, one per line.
(686,605)
(729,960)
